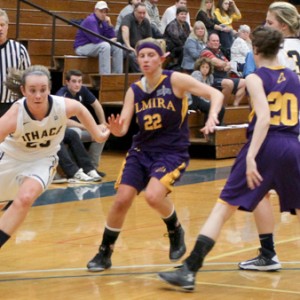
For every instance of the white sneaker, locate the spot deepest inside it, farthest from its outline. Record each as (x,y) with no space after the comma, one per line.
(94,175)
(81,176)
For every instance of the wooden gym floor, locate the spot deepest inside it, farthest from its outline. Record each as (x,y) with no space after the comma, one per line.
(46,258)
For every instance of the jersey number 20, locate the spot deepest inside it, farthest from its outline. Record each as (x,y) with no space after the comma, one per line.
(284,109)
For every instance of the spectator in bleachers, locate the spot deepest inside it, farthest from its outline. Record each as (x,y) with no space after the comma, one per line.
(74,159)
(153,14)
(75,90)
(170,14)
(128,9)
(241,47)
(176,34)
(227,12)
(90,45)
(134,27)
(194,44)
(13,55)
(203,72)
(222,68)
(206,14)
(249,66)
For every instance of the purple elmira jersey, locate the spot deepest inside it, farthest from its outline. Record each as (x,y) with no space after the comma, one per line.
(280,151)
(282,89)
(161,116)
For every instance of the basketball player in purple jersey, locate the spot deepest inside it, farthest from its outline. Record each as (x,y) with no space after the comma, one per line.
(272,148)
(159,152)
(283,17)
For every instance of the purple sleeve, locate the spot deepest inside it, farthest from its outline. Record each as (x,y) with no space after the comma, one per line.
(92,23)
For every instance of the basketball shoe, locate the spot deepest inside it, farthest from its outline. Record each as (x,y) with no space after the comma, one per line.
(177,245)
(265,261)
(183,278)
(101,261)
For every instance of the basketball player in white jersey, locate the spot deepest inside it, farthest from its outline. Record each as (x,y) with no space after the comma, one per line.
(30,134)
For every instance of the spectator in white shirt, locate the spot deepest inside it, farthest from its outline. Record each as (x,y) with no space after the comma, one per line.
(241,47)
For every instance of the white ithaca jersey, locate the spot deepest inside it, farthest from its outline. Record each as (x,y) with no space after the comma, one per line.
(35,139)
(289,56)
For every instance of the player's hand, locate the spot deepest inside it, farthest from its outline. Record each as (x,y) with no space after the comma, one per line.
(210,124)
(104,133)
(254,179)
(115,125)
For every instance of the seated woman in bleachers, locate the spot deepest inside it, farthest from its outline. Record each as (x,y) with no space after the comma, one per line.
(176,33)
(194,44)
(203,72)
(241,47)
(206,14)
(227,12)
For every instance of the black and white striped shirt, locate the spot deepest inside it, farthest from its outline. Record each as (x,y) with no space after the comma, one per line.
(13,55)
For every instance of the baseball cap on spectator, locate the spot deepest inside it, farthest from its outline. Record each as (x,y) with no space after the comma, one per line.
(101,5)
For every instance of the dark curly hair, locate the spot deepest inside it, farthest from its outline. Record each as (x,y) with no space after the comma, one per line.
(204,60)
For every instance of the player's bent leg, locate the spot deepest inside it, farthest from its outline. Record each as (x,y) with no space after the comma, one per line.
(156,197)
(124,198)
(13,217)
(185,276)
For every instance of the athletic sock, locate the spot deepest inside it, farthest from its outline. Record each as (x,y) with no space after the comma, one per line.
(267,242)
(3,238)
(109,237)
(171,221)
(202,247)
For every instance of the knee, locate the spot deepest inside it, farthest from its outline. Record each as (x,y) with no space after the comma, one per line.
(152,199)
(24,201)
(122,203)
(75,130)
(118,49)
(242,84)
(227,84)
(70,135)
(105,46)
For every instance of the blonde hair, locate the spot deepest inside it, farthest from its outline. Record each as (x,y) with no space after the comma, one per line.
(286,13)
(203,8)
(158,42)
(4,14)
(199,24)
(17,78)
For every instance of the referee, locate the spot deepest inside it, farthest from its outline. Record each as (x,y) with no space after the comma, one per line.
(13,55)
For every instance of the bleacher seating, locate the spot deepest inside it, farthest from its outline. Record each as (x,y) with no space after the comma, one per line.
(36,33)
